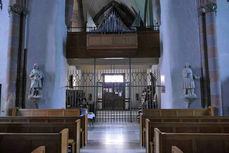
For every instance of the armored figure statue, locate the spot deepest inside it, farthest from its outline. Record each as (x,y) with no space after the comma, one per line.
(189,82)
(36,77)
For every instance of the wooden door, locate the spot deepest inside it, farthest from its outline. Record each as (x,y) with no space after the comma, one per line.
(114,96)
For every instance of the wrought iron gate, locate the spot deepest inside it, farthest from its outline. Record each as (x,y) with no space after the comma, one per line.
(110,101)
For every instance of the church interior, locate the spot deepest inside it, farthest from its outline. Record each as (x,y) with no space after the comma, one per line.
(114,76)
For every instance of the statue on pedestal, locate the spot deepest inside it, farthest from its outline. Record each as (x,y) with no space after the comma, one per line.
(189,84)
(37,77)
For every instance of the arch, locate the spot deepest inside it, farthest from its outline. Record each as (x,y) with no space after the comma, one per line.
(124,13)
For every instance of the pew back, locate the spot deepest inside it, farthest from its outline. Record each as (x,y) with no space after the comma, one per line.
(179,112)
(40,149)
(55,113)
(171,113)
(46,112)
(178,127)
(191,142)
(25,142)
(36,127)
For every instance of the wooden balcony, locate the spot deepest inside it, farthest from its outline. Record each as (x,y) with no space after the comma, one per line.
(95,45)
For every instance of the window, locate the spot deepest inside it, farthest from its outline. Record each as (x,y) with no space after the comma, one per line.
(114,78)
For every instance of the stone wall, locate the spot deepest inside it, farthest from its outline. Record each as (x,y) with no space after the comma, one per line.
(179,45)
(46,47)
(222,21)
(4,37)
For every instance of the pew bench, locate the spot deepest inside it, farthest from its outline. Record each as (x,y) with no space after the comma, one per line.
(191,142)
(25,142)
(56,113)
(83,132)
(45,112)
(200,119)
(19,127)
(178,127)
(160,113)
(40,149)
(164,113)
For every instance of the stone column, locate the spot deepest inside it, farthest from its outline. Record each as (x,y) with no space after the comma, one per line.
(205,81)
(14,46)
(213,61)
(209,49)
(74,15)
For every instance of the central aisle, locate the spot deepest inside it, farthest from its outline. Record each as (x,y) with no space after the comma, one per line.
(113,138)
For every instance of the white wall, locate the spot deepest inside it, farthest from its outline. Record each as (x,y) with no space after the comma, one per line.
(222,20)
(46,47)
(4,37)
(180,44)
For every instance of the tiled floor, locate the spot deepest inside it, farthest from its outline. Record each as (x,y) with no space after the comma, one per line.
(113,138)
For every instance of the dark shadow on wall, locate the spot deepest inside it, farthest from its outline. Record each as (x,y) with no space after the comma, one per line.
(64,48)
(161,46)
(225,96)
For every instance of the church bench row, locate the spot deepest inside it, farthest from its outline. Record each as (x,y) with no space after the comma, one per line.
(62,120)
(42,127)
(56,113)
(163,113)
(191,142)
(198,119)
(25,142)
(179,127)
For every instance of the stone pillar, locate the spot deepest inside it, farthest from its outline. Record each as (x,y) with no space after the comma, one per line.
(74,15)
(15,10)
(213,62)
(205,81)
(209,52)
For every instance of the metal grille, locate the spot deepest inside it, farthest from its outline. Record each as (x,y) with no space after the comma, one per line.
(111,102)
(116,116)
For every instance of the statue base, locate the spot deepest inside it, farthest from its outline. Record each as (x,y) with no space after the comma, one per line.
(190,99)
(35,99)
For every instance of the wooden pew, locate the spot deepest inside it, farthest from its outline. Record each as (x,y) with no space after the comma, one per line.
(175,149)
(40,149)
(159,113)
(61,120)
(56,113)
(45,112)
(191,142)
(179,127)
(42,127)
(25,142)
(200,119)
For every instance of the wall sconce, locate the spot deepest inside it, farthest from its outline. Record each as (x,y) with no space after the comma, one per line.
(1,5)
(162,85)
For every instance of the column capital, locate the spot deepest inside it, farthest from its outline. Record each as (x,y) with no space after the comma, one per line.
(17,10)
(210,7)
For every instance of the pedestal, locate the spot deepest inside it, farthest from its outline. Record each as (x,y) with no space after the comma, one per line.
(189,100)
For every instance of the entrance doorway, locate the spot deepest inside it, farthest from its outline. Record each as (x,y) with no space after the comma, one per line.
(113,96)
(113,92)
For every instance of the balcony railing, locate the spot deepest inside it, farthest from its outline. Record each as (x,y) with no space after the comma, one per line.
(111,31)
(90,43)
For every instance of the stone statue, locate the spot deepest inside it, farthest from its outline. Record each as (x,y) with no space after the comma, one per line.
(37,78)
(189,82)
